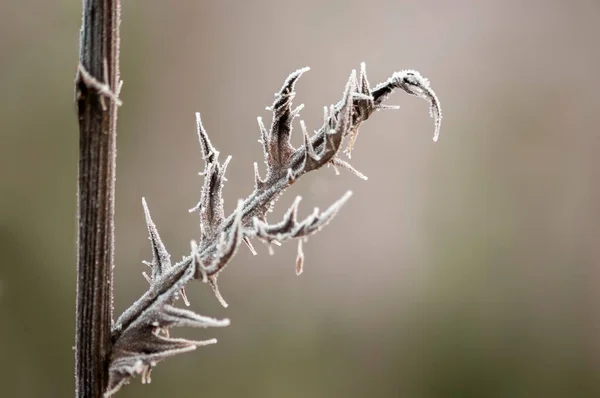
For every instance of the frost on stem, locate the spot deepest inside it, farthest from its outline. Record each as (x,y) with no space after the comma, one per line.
(141,334)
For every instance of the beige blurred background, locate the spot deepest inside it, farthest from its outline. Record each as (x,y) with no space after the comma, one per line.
(465,268)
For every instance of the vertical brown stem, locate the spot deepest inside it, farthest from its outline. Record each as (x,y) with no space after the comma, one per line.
(96,83)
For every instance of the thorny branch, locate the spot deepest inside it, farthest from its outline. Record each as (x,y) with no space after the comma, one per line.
(141,335)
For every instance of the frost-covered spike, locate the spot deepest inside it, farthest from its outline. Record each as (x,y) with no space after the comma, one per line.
(296,111)
(332,120)
(159,251)
(264,139)
(342,123)
(310,156)
(264,133)
(287,224)
(355,83)
(363,82)
(361,96)
(384,107)
(337,162)
(212,281)
(363,107)
(337,171)
(349,89)
(209,153)
(173,316)
(280,148)
(413,83)
(148,279)
(184,297)
(195,208)
(291,215)
(161,260)
(146,375)
(259,183)
(202,343)
(249,244)
(223,169)
(299,259)
(312,219)
(339,124)
(290,81)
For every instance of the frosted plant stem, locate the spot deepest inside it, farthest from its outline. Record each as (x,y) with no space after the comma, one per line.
(96,92)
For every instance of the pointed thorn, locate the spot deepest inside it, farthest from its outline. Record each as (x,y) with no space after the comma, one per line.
(292,214)
(224,167)
(310,150)
(209,153)
(161,260)
(354,77)
(202,343)
(364,86)
(337,171)
(212,280)
(258,182)
(332,117)
(345,165)
(195,208)
(249,244)
(147,277)
(184,297)
(264,134)
(384,107)
(291,80)
(296,111)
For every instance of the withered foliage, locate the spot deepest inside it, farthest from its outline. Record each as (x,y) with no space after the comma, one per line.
(141,335)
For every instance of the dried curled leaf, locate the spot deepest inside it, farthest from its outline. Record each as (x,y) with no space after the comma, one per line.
(161,259)
(413,83)
(141,334)
(291,228)
(210,205)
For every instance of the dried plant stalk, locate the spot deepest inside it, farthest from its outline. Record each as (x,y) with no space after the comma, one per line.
(97,85)
(141,335)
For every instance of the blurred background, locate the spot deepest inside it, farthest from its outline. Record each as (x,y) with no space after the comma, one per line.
(465,268)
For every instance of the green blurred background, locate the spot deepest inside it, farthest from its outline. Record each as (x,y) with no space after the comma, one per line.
(466,268)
